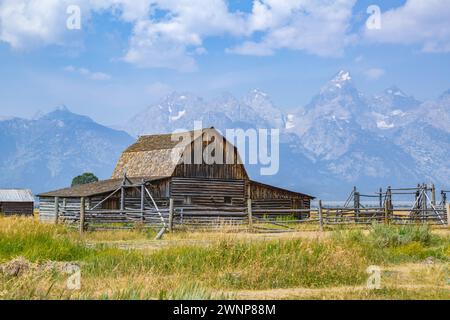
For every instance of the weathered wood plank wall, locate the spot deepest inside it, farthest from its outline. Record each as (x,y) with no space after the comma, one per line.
(19,208)
(208,192)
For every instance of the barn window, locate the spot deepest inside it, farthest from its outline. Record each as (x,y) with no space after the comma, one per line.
(228,200)
(187,200)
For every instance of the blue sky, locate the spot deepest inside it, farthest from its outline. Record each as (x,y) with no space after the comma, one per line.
(128,54)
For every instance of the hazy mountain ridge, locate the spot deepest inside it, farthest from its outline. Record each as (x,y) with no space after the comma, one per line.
(47,152)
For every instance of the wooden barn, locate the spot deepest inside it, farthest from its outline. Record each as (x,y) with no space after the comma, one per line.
(16,202)
(158,169)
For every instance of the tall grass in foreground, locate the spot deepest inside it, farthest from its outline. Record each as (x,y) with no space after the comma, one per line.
(193,271)
(38,242)
(236,265)
(394,244)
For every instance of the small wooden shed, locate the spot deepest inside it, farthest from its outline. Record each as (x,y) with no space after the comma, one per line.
(16,202)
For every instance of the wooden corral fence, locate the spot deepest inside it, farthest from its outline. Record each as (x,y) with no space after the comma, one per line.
(424,209)
(253,219)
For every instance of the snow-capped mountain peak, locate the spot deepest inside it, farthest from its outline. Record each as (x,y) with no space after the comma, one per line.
(340,82)
(341,79)
(342,76)
(290,122)
(258,93)
(261,103)
(395,91)
(177,97)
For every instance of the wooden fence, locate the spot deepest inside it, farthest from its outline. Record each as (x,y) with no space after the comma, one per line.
(331,216)
(250,218)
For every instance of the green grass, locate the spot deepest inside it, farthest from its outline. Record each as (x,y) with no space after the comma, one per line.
(393,244)
(223,265)
(241,265)
(38,242)
(385,236)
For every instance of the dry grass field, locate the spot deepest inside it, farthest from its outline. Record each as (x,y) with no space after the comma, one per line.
(34,258)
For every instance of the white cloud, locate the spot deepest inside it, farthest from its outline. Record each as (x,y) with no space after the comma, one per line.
(127,10)
(319,27)
(171,33)
(171,42)
(151,47)
(31,23)
(425,23)
(97,76)
(374,73)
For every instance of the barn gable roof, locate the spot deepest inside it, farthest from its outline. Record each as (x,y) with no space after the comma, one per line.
(154,142)
(16,195)
(156,155)
(95,188)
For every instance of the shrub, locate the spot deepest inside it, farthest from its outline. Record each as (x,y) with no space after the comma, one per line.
(384,236)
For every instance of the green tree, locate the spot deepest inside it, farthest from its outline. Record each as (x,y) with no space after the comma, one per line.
(85,178)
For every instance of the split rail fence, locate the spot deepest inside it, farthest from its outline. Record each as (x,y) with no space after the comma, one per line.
(253,219)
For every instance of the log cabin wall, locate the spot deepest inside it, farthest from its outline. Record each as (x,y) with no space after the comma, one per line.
(229,166)
(213,171)
(67,206)
(210,185)
(160,191)
(268,197)
(208,192)
(132,202)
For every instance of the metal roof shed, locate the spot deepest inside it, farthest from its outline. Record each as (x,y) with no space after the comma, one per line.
(16,202)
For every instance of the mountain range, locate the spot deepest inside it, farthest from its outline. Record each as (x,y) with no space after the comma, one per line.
(341,138)
(47,152)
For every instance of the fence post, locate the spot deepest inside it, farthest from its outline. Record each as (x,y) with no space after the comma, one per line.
(447,206)
(386,211)
(171,214)
(122,200)
(56,210)
(82,215)
(388,205)
(381,198)
(250,214)
(433,195)
(320,216)
(356,197)
(142,201)
(424,203)
(443,198)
